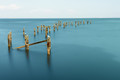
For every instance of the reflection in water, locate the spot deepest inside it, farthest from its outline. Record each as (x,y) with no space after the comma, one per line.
(48,60)
(9,49)
(27,53)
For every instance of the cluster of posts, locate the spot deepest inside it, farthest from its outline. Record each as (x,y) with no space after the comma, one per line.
(46,29)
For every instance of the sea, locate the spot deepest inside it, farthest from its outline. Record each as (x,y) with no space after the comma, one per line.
(82,52)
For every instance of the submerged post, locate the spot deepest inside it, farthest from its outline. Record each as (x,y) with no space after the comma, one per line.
(41,28)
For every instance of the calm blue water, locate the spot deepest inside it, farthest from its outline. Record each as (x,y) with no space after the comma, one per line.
(85,52)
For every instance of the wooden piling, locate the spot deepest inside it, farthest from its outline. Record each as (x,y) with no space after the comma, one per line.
(64,24)
(57,27)
(90,22)
(37,29)
(83,21)
(41,27)
(48,45)
(46,31)
(9,44)
(87,21)
(27,43)
(80,22)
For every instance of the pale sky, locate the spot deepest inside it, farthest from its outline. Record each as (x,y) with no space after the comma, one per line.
(59,9)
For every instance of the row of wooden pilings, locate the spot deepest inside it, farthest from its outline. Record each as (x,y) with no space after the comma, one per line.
(46,29)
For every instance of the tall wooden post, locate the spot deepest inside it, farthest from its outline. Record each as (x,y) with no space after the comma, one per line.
(48,45)
(27,43)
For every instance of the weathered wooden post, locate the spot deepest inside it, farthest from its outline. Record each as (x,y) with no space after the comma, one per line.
(75,23)
(72,23)
(64,25)
(9,44)
(57,27)
(87,21)
(46,31)
(34,32)
(48,45)
(90,22)
(83,21)
(10,37)
(80,22)
(37,29)
(27,43)
(41,28)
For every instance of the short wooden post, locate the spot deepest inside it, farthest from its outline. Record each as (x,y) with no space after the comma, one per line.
(72,23)
(46,31)
(80,22)
(27,43)
(90,22)
(83,21)
(75,23)
(41,27)
(57,27)
(64,25)
(34,32)
(87,21)
(37,29)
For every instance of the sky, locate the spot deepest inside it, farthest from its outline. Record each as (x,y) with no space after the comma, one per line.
(59,8)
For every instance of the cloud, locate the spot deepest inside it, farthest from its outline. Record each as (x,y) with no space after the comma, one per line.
(9,7)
